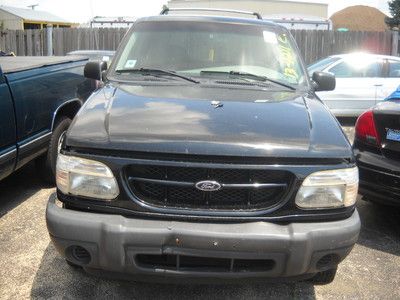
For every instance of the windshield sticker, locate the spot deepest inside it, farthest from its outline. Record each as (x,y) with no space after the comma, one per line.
(130,63)
(288,58)
(270,37)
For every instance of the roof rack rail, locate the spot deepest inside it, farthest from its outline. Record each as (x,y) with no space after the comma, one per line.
(166,10)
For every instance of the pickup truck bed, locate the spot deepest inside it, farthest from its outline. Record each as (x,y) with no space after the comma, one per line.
(11,64)
(39,96)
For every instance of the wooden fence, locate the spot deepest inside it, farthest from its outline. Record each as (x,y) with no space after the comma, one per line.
(66,40)
(34,42)
(316,44)
(313,44)
(23,42)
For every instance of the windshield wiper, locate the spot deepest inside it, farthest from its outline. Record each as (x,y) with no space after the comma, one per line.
(150,71)
(251,76)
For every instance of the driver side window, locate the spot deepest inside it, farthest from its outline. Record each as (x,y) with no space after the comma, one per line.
(394,69)
(347,69)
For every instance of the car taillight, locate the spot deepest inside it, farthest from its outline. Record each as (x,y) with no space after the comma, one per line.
(366,129)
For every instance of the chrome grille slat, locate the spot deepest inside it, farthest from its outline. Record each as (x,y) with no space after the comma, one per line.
(162,182)
(224,185)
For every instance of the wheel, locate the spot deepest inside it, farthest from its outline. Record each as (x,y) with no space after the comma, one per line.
(324,277)
(46,164)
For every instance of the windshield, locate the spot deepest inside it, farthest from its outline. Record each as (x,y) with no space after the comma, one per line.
(210,49)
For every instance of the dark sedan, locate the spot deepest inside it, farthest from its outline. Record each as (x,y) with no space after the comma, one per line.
(377,150)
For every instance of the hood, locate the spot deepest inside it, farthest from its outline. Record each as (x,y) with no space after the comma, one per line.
(207,120)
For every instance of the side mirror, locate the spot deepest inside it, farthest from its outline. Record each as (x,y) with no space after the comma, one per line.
(324,81)
(94,69)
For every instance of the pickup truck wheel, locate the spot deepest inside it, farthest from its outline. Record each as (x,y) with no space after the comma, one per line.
(47,164)
(324,277)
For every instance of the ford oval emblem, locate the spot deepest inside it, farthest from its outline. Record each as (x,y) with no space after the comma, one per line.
(208,186)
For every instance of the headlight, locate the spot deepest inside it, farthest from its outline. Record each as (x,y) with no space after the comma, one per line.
(84,177)
(329,189)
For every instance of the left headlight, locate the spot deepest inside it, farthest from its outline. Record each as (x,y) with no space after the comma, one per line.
(84,177)
(329,189)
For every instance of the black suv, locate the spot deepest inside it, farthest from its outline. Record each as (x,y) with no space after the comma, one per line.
(206,154)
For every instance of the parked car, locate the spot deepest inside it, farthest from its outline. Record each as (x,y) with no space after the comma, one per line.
(377,149)
(395,95)
(362,80)
(39,98)
(206,155)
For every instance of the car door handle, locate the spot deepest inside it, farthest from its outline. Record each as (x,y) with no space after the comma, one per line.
(378,84)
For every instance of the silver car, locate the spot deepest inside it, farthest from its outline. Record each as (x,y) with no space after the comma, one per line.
(362,80)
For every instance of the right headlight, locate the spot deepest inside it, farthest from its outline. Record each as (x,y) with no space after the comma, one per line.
(84,177)
(329,189)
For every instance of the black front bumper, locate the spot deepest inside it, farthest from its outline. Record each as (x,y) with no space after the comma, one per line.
(379,178)
(117,244)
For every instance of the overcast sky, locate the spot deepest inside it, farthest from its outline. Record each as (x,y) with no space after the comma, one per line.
(84,10)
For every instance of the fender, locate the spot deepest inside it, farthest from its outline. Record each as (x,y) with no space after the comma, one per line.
(66,103)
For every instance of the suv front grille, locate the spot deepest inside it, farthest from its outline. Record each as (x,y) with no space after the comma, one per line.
(175,187)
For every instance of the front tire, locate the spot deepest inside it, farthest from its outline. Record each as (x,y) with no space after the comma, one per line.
(46,164)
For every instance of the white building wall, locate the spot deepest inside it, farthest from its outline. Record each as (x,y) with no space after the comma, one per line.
(264,7)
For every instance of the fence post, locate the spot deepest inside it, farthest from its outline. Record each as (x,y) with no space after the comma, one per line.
(395,42)
(49,32)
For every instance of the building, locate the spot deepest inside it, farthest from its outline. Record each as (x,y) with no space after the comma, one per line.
(267,8)
(21,18)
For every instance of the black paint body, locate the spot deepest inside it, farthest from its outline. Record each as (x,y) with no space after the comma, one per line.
(175,123)
(380,165)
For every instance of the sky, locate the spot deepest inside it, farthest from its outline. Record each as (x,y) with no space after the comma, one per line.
(83,10)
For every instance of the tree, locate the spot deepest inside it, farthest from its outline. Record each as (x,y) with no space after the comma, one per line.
(394,7)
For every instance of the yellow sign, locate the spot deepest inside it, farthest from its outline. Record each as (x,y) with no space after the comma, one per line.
(288,57)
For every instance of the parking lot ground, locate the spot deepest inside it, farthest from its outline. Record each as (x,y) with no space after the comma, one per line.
(30,267)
